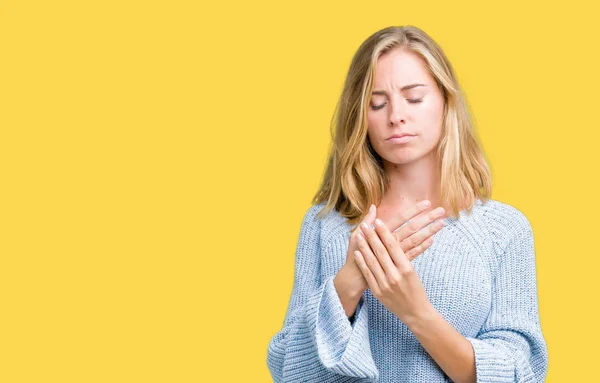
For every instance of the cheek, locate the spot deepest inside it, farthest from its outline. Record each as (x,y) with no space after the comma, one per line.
(432,115)
(371,120)
(374,121)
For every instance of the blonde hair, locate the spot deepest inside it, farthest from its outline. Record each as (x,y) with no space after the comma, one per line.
(354,177)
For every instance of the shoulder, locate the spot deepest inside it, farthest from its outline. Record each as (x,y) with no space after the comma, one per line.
(310,215)
(329,224)
(311,223)
(503,213)
(505,222)
(504,217)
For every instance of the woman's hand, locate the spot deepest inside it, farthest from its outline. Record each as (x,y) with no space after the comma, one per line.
(353,273)
(389,273)
(413,237)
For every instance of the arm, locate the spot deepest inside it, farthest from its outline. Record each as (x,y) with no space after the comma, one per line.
(346,290)
(449,348)
(510,347)
(317,341)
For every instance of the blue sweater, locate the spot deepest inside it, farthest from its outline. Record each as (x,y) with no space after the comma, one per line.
(479,274)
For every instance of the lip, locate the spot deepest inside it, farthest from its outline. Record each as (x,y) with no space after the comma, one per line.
(400,135)
(401,138)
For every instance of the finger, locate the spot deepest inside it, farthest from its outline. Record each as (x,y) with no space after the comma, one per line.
(366,272)
(417,223)
(398,220)
(396,255)
(417,250)
(420,236)
(383,247)
(371,261)
(369,218)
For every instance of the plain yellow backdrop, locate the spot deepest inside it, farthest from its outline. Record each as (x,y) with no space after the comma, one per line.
(157,158)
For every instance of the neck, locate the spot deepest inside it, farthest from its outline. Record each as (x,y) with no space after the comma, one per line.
(413,182)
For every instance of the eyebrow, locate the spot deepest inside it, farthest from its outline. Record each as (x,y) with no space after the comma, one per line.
(405,87)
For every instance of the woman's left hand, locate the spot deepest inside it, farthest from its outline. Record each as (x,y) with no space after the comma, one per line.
(390,275)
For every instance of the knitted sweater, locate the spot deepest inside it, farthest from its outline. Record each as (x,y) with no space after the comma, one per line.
(479,274)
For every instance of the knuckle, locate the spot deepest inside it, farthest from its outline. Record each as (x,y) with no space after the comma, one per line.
(418,250)
(432,230)
(406,273)
(413,240)
(399,234)
(378,252)
(405,246)
(412,226)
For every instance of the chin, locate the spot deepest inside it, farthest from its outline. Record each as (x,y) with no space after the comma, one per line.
(403,156)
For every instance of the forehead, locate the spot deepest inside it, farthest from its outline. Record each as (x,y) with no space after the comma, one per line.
(399,67)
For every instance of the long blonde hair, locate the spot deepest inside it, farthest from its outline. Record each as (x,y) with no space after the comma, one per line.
(354,177)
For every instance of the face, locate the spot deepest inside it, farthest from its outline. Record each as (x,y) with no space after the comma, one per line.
(399,106)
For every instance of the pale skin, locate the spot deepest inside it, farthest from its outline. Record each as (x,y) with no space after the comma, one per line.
(406,100)
(414,238)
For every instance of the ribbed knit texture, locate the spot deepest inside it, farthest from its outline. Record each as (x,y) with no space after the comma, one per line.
(480,274)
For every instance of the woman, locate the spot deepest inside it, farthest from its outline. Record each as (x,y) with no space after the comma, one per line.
(371,303)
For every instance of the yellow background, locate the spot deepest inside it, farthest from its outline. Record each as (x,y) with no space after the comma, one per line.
(157,158)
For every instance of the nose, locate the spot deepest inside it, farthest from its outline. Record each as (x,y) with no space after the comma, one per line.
(397,112)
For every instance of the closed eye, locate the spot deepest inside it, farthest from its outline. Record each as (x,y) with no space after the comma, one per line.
(412,101)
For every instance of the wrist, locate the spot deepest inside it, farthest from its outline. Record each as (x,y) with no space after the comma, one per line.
(349,284)
(423,319)
(348,294)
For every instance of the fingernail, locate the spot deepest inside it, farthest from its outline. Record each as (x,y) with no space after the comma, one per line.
(371,208)
(426,203)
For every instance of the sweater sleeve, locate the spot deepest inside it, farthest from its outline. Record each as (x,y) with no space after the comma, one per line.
(510,346)
(317,342)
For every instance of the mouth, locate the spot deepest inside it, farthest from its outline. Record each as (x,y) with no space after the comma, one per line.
(400,139)
(400,136)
